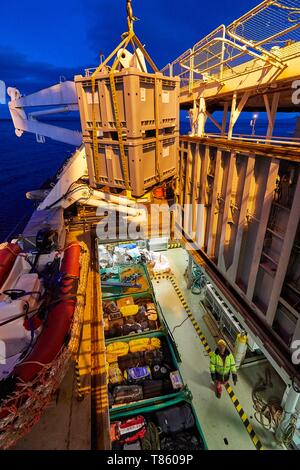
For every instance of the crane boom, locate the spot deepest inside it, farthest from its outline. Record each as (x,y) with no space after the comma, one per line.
(57,99)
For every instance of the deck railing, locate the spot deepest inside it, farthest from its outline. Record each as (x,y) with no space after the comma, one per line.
(259,139)
(270,33)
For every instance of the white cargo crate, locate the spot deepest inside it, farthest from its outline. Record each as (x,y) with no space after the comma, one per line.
(136,96)
(106,169)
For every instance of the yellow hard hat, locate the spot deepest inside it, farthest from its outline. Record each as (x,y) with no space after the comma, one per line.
(221,342)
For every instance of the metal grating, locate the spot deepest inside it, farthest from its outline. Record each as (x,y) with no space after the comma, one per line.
(207,55)
(271,24)
(175,69)
(269,31)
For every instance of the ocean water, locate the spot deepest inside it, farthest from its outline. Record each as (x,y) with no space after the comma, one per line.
(25,165)
(284,127)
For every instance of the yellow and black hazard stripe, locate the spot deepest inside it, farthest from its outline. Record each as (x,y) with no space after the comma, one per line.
(80,395)
(187,309)
(243,416)
(173,245)
(190,315)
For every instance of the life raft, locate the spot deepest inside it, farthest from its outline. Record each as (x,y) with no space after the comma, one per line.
(56,329)
(8,255)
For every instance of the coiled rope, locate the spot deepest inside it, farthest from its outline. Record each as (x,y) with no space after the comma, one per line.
(267,413)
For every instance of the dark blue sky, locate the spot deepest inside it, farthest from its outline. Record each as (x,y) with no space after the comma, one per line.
(39,41)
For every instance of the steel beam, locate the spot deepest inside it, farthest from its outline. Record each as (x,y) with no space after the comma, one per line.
(201,119)
(63,93)
(262,227)
(271,112)
(224,119)
(196,180)
(236,110)
(242,221)
(225,218)
(213,120)
(212,220)
(285,254)
(203,190)
(181,180)
(188,175)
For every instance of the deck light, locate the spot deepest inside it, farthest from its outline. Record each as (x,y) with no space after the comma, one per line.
(253,122)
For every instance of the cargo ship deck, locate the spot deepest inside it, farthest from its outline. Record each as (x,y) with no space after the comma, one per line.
(78,416)
(230,237)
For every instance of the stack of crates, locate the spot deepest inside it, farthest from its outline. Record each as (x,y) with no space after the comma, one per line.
(155,399)
(146,102)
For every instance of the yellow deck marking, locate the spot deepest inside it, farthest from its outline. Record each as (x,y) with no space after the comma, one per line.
(243,416)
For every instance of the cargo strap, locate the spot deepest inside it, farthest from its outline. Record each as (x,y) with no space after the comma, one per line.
(94,130)
(124,164)
(157,166)
(124,161)
(129,37)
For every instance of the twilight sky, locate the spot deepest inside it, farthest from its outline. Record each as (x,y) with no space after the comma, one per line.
(42,40)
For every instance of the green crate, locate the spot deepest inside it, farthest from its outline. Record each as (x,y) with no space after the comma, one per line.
(162,327)
(146,402)
(109,292)
(156,406)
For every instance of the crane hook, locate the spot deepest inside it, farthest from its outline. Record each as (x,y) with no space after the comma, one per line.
(130,17)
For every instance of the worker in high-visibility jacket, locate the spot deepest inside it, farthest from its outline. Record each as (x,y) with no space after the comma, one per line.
(222,364)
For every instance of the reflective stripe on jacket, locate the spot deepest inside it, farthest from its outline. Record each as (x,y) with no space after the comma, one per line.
(221,369)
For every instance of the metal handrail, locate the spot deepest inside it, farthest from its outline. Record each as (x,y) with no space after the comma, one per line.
(271,19)
(292,141)
(243,49)
(248,45)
